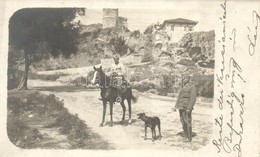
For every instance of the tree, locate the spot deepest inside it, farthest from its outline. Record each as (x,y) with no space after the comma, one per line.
(119,45)
(40,31)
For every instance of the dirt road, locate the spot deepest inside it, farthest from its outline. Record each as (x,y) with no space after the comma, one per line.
(85,103)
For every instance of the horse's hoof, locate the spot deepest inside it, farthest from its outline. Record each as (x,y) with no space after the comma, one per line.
(111,124)
(101,124)
(145,138)
(153,140)
(130,121)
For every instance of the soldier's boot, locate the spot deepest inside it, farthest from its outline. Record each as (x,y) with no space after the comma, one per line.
(185,131)
(190,133)
(189,127)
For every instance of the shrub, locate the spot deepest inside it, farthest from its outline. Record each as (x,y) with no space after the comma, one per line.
(14,78)
(15,105)
(143,85)
(20,133)
(44,107)
(71,125)
(147,57)
(205,85)
(186,62)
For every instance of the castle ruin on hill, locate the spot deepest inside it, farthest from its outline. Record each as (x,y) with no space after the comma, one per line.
(111,19)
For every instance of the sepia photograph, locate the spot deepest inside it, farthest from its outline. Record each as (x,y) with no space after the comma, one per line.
(171,77)
(79,81)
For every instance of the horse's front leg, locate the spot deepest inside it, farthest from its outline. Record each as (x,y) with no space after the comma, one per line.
(111,114)
(129,110)
(123,107)
(104,114)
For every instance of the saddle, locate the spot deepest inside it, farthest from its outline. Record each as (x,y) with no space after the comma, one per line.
(119,83)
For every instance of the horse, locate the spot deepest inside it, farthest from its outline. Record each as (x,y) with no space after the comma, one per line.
(103,81)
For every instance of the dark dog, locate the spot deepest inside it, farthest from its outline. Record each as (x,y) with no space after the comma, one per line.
(151,122)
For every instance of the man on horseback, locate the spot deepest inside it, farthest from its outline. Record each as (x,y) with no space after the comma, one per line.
(117,78)
(114,88)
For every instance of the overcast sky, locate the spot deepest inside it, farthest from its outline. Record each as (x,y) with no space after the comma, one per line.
(139,17)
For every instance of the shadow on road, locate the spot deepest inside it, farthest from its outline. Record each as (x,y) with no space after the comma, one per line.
(64,88)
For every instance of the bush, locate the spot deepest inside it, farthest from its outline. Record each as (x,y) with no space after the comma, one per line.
(14,78)
(41,106)
(205,85)
(138,76)
(143,85)
(71,125)
(20,133)
(147,57)
(186,62)
(15,105)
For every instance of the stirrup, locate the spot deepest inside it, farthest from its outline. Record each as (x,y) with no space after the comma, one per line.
(118,99)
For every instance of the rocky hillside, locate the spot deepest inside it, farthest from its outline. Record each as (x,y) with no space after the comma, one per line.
(154,64)
(200,46)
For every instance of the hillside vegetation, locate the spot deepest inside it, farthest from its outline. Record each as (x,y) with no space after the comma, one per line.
(154,64)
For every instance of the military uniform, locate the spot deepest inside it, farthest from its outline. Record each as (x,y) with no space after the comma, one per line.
(185,103)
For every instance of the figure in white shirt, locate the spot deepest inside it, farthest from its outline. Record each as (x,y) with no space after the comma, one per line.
(117,68)
(117,76)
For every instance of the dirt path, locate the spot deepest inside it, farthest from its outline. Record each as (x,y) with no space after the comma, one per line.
(85,103)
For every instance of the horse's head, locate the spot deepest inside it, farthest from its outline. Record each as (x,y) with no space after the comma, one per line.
(98,75)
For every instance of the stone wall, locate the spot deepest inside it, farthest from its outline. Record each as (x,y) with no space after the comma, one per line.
(110,17)
(122,22)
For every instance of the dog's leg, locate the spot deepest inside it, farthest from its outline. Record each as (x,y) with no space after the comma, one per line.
(104,113)
(159,128)
(145,132)
(111,114)
(154,133)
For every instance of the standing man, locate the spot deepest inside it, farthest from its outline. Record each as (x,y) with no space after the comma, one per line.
(185,103)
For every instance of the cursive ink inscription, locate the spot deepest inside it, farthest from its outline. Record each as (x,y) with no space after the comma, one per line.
(234,39)
(220,100)
(238,131)
(253,40)
(219,123)
(229,123)
(235,70)
(222,41)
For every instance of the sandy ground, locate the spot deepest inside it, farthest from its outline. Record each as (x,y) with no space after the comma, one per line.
(85,103)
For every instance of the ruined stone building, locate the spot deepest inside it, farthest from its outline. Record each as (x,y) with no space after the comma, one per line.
(111,19)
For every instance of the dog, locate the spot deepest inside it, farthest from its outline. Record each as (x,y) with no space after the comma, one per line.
(151,122)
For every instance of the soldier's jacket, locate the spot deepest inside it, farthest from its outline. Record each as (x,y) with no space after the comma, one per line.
(187,97)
